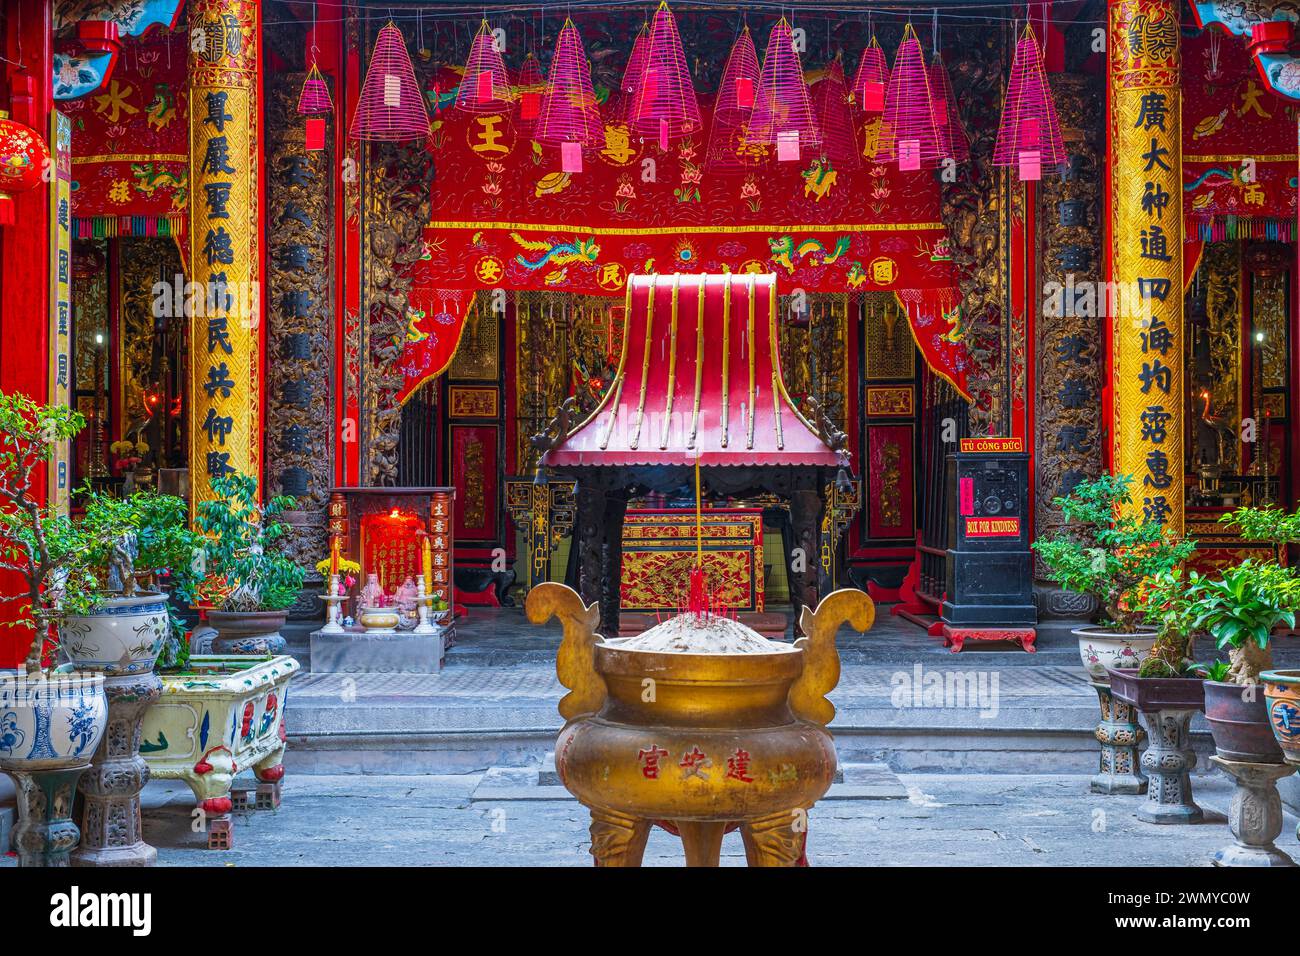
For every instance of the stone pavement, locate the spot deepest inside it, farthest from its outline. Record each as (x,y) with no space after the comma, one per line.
(1002,710)
(936,819)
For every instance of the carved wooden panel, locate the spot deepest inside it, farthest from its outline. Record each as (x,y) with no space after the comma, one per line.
(1070,350)
(299,443)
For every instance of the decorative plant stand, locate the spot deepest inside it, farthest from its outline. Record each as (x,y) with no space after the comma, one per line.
(1255,816)
(1168,761)
(1167,705)
(224,714)
(1120,738)
(111,834)
(45,832)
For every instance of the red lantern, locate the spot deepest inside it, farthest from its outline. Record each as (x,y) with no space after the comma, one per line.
(23,160)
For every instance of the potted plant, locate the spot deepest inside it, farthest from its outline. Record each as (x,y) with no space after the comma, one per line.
(141,539)
(51,721)
(1167,689)
(248,583)
(1107,553)
(1240,611)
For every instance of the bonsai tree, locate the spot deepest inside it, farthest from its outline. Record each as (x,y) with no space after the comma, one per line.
(45,548)
(1107,553)
(243,569)
(160,543)
(1169,600)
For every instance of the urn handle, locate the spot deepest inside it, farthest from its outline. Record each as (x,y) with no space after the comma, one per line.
(821,662)
(575,663)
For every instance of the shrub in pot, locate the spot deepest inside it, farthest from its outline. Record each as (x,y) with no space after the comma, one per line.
(1239,611)
(1107,553)
(142,538)
(249,584)
(51,721)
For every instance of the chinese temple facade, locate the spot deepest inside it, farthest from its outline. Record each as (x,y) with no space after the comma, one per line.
(241,259)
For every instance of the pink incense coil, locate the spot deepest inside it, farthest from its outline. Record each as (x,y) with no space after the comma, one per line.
(569,111)
(315,96)
(729,148)
(1028,111)
(391,106)
(740,75)
(830,98)
(665,105)
(530,86)
(781,103)
(625,97)
(947,118)
(909,112)
(485,85)
(871,69)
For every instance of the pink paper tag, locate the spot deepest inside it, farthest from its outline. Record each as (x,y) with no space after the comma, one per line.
(528,104)
(1028,132)
(485,85)
(909,154)
(663,134)
(1031,165)
(966,492)
(744,93)
(873,97)
(571,157)
(787,146)
(314,134)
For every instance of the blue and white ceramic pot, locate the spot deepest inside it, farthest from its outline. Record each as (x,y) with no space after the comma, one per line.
(124,635)
(50,721)
(50,726)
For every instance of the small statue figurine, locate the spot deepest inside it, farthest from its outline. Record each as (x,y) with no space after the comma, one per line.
(406,600)
(372,595)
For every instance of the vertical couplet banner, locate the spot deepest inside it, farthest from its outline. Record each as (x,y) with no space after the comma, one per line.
(1147,242)
(60,297)
(225,329)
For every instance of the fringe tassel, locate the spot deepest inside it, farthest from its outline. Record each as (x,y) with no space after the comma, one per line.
(1220,228)
(112,227)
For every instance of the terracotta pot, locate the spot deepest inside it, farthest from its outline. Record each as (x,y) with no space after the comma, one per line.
(1238,719)
(1282,697)
(124,635)
(1101,647)
(247,632)
(1149,694)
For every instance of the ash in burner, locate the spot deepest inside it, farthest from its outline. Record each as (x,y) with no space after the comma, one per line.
(699,634)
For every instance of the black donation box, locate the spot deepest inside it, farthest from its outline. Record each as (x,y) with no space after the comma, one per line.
(989,578)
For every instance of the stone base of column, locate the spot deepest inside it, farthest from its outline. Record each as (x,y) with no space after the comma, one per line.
(111,833)
(1120,737)
(45,832)
(1168,762)
(1255,815)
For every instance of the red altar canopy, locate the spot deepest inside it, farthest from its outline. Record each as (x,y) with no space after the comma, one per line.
(699,379)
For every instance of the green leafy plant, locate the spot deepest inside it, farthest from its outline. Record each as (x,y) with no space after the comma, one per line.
(1107,552)
(1269,523)
(1215,670)
(1168,600)
(167,550)
(244,569)
(44,547)
(1240,611)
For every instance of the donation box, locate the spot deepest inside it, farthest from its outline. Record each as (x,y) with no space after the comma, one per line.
(989,579)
